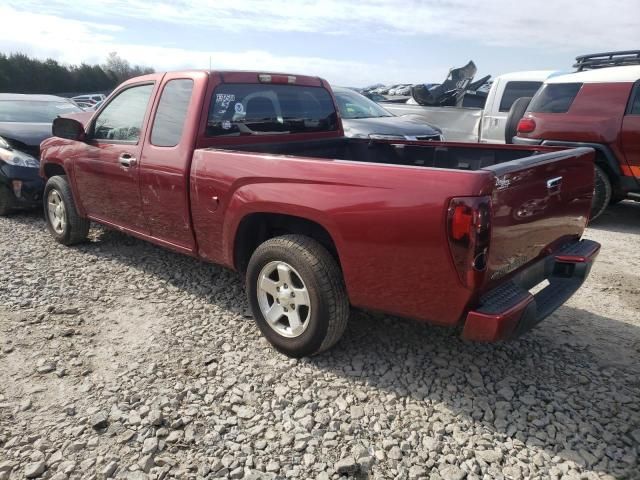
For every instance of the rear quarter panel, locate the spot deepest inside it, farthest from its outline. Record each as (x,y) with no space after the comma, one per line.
(388,222)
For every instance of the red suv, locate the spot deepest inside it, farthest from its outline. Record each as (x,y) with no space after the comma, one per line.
(597,106)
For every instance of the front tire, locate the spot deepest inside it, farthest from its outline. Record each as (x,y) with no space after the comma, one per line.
(601,193)
(63,221)
(297,295)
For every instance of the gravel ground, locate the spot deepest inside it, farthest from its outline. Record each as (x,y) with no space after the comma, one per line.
(119,359)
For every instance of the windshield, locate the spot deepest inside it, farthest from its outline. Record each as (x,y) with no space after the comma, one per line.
(352,105)
(34,111)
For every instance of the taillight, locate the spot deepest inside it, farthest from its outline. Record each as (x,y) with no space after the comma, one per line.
(469,231)
(526,125)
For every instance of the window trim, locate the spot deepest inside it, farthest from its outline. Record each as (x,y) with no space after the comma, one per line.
(633,98)
(91,129)
(152,122)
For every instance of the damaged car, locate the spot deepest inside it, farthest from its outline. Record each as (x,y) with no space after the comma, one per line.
(25,121)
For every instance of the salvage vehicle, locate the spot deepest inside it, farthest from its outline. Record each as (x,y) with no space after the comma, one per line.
(485,124)
(597,106)
(252,171)
(364,118)
(25,120)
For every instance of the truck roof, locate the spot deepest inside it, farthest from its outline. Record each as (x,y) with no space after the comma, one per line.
(528,76)
(629,73)
(244,76)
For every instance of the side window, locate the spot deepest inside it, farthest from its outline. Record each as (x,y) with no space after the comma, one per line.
(516,90)
(122,119)
(634,106)
(171,113)
(554,98)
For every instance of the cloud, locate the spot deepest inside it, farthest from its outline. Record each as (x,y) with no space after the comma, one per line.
(73,42)
(560,24)
(51,29)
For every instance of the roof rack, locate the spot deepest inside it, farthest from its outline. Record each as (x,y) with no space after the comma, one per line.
(607,59)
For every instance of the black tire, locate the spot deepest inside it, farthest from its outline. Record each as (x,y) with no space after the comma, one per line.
(76,228)
(319,271)
(6,201)
(516,112)
(601,193)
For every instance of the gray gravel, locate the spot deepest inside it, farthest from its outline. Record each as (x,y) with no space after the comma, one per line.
(119,359)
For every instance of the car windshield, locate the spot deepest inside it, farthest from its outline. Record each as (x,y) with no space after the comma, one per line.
(34,111)
(352,105)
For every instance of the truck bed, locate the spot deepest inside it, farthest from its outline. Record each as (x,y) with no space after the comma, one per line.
(456,156)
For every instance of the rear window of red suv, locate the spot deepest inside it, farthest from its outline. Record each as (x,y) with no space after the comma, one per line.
(554,98)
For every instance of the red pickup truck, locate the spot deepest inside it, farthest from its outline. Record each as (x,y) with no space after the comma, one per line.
(252,171)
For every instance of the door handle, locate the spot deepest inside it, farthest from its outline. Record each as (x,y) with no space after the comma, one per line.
(126,160)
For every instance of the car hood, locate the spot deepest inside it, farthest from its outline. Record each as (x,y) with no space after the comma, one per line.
(407,125)
(29,134)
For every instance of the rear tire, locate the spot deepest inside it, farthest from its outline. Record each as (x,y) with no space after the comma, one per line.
(299,264)
(5,201)
(601,193)
(63,220)
(516,112)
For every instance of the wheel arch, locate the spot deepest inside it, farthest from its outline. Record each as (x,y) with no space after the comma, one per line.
(53,169)
(256,227)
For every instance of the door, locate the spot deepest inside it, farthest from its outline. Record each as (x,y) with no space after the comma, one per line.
(495,119)
(630,136)
(107,176)
(166,159)
(488,118)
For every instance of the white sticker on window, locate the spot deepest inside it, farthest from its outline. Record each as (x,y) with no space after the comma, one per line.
(225,98)
(239,108)
(226,124)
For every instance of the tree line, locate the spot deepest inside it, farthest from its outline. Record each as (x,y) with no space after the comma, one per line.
(22,74)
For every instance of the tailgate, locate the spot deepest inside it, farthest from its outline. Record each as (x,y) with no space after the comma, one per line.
(538,204)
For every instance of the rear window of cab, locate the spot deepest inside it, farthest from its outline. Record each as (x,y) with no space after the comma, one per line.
(257,109)
(554,98)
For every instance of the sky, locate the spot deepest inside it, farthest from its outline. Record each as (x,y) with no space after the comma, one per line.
(348,42)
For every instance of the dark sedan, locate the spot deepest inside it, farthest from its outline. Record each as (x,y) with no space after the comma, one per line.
(363,118)
(25,121)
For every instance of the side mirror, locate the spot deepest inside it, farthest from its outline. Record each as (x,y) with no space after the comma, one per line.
(68,128)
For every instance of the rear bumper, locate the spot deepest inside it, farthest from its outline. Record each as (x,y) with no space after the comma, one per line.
(510,310)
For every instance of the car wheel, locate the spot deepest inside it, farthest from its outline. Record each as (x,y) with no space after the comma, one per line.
(6,202)
(63,221)
(297,295)
(516,112)
(601,193)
